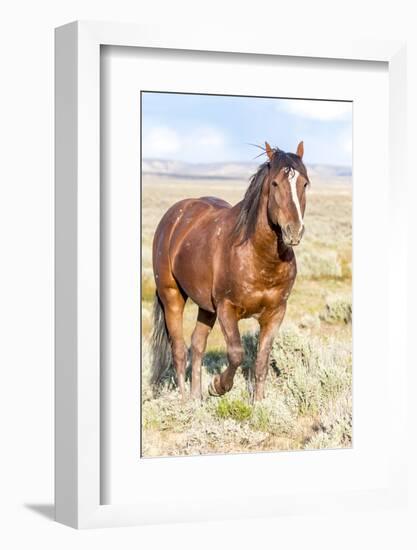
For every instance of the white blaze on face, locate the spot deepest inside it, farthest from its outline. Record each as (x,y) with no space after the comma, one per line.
(292,178)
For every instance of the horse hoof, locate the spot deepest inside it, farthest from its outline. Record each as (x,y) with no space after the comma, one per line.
(212,389)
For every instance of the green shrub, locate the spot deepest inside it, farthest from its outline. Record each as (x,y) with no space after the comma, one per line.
(307,402)
(148,285)
(319,264)
(274,415)
(250,348)
(337,310)
(312,370)
(236,409)
(335,425)
(215,360)
(309,321)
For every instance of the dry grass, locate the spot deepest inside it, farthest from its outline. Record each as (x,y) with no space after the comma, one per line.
(308,402)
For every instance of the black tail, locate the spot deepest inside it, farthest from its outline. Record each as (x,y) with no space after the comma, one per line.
(160,345)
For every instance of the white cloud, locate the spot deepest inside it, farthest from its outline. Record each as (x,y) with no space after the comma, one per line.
(318,110)
(207,137)
(160,141)
(165,142)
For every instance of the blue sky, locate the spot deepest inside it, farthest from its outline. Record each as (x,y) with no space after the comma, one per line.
(202,128)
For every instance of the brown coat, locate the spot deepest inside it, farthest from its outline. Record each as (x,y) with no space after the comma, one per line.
(233,262)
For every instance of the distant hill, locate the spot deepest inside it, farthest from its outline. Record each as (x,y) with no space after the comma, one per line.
(230,170)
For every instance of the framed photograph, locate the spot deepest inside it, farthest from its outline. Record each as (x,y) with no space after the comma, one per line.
(204,260)
(227,323)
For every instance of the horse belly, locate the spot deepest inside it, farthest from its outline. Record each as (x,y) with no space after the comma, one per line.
(192,269)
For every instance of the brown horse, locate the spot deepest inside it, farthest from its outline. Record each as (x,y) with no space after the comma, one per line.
(234,263)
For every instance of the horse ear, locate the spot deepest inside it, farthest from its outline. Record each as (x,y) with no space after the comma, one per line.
(268,150)
(300,149)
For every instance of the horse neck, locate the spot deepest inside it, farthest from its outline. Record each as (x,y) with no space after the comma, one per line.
(267,240)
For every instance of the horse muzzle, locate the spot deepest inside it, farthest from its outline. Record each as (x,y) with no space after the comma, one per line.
(292,234)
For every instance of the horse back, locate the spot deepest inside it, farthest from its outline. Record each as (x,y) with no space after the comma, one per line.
(215,202)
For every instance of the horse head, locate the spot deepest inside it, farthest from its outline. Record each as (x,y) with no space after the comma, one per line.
(287,183)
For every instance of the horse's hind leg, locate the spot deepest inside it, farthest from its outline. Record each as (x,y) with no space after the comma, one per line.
(222,383)
(205,322)
(174,303)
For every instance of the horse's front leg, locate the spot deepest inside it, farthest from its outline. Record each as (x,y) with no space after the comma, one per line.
(222,383)
(269,325)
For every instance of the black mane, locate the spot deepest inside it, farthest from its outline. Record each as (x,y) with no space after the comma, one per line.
(248,215)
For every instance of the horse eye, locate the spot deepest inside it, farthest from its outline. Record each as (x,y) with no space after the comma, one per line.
(275,183)
(306,184)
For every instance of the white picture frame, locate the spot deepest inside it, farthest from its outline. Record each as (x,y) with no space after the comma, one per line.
(78,410)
